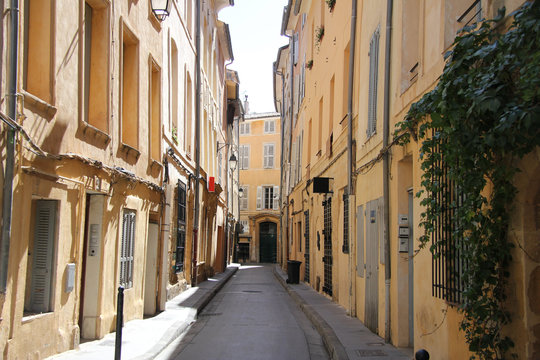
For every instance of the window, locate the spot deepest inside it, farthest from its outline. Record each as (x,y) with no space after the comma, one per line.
(245,128)
(268,197)
(268,156)
(269,126)
(173,119)
(96,64)
(130,88)
(373,80)
(181,227)
(245,226)
(126,249)
(41,254)
(447,263)
(155,111)
(458,14)
(220,167)
(243,155)
(244,200)
(188,108)
(38,48)
(345,247)
(410,43)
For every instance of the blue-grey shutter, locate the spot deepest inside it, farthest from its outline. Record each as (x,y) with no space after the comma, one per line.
(42,267)
(373,82)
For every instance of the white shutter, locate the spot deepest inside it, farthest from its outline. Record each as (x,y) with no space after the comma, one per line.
(259,197)
(295,48)
(45,220)
(373,80)
(244,200)
(246,157)
(265,156)
(271,156)
(272,126)
(276,197)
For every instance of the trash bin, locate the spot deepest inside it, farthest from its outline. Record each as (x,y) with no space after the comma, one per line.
(293,271)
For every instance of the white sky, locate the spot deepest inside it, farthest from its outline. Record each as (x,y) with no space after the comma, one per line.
(255,27)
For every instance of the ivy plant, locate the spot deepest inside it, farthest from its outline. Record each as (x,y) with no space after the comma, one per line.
(331,4)
(479,120)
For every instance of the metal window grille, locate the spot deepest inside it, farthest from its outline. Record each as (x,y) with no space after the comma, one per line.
(306,247)
(345,247)
(127,247)
(181,228)
(448,263)
(327,259)
(472,15)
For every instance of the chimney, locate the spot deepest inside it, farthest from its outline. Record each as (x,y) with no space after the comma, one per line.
(246,105)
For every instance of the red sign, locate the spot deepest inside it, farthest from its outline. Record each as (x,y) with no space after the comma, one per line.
(211,184)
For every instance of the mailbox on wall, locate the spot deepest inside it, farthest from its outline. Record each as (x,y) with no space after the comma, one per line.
(403,233)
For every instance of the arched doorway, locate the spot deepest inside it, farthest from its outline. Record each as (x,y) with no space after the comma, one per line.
(267,242)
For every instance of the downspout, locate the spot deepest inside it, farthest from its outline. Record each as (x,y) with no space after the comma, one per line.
(7,204)
(350,190)
(281,156)
(291,105)
(386,164)
(197,138)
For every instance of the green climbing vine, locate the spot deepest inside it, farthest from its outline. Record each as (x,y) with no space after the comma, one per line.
(473,127)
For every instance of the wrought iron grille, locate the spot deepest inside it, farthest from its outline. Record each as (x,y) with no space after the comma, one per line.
(448,263)
(181,228)
(327,259)
(306,248)
(345,247)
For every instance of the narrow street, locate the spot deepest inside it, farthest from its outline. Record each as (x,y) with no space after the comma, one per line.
(252,317)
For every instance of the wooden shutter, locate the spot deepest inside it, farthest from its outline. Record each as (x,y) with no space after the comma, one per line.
(276,197)
(265,156)
(271,156)
(42,267)
(373,82)
(259,197)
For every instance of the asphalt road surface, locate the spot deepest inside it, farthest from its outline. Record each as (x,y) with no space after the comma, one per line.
(252,317)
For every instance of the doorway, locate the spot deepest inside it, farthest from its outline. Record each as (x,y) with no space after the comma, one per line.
(267,242)
(372,265)
(151,269)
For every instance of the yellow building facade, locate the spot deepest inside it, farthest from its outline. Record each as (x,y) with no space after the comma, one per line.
(355,227)
(103,139)
(259,158)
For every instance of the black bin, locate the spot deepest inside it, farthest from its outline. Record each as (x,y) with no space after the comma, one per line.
(293,271)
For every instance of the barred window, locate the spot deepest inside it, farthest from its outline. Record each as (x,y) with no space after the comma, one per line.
(345,247)
(448,264)
(126,249)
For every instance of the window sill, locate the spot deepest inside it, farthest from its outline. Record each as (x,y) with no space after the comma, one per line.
(91,130)
(34,103)
(28,317)
(130,151)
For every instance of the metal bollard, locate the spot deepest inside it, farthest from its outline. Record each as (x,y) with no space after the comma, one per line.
(421,355)
(119,322)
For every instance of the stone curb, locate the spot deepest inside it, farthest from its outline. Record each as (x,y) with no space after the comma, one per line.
(333,345)
(179,327)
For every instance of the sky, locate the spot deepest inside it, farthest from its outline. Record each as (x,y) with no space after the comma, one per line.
(255,27)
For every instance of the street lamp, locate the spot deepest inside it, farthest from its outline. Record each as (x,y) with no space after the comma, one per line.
(233,162)
(161,8)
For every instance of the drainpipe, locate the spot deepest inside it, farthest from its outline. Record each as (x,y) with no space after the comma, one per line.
(7,204)
(197,137)
(281,156)
(350,142)
(291,105)
(386,191)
